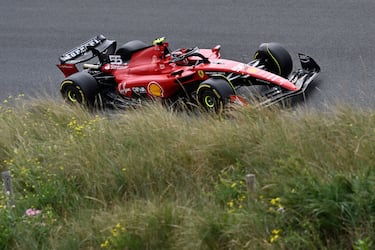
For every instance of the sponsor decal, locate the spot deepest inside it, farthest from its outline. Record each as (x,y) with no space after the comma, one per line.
(252,70)
(115,66)
(67,69)
(122,89)
(218,63)
(239,67)
(66,66)
(155,89)
(201,73)
(139,90)
(213,73)
(80,49)
(76,52)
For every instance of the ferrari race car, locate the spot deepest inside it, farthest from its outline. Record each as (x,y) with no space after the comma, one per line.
(100,75)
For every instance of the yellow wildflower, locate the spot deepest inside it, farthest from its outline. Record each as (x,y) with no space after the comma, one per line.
(230,203)
(275,201)
(275,235)
(105,244)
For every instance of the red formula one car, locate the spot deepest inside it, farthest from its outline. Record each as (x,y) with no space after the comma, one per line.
(122,77)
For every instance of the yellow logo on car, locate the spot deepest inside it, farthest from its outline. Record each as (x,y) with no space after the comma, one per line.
(155,89)
(252,70)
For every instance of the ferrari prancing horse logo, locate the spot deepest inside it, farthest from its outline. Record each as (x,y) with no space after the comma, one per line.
(201,73)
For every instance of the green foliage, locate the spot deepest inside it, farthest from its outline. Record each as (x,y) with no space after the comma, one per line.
(156,179)
(7,220)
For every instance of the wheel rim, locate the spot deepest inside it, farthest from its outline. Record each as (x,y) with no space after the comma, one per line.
(209,101)
(72,96)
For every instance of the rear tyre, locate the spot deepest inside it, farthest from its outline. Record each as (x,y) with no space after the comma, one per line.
(276,58)
(214,93)
(80,88)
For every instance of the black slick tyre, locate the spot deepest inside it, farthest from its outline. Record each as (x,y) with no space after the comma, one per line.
(213,94)
(276,58)
(80,88)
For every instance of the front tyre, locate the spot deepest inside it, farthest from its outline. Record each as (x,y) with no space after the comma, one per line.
(213,94)
(276,58)
(80,88)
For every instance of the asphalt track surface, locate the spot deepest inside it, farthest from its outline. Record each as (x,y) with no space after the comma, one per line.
(338,34)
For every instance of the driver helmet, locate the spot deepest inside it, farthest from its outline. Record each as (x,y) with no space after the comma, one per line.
(163,45)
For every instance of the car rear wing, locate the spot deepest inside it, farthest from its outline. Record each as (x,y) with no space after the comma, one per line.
(97,46)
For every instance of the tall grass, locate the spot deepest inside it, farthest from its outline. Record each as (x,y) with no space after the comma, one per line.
(157,179)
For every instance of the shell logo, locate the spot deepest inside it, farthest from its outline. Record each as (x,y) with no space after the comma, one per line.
(155,89)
